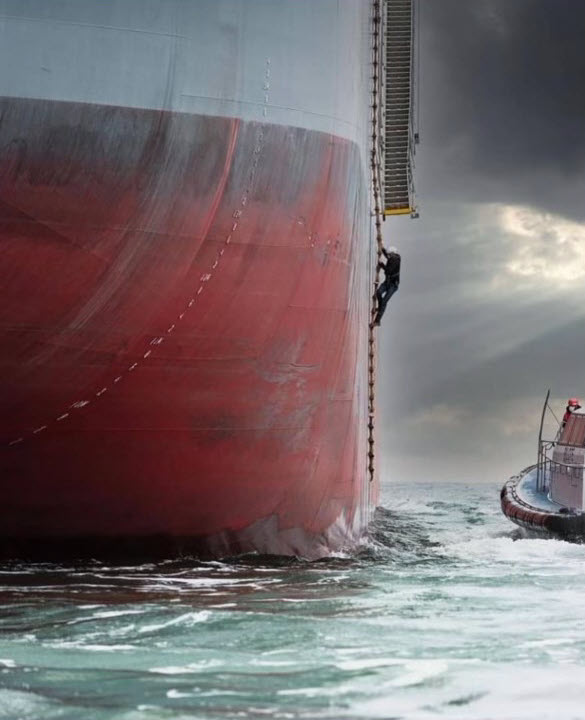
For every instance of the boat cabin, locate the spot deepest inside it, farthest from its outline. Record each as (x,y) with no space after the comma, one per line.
(564,469)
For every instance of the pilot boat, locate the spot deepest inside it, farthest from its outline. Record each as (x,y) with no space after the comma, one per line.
(549,496)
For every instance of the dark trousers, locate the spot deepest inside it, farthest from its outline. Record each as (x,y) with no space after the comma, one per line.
(384,292)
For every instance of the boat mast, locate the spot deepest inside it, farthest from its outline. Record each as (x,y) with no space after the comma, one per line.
(539,461)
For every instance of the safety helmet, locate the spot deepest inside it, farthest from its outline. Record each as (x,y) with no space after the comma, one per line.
(392,249)
(574,401)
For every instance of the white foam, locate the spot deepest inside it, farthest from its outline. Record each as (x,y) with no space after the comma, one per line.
(20,705)
(106,614)
(188,619)
(418,671)
(116,613)
(194,667)
(172,693)
(91,647)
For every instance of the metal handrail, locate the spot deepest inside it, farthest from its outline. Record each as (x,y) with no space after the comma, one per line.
(546,465)
(404,205)
(413,108)
(550,461)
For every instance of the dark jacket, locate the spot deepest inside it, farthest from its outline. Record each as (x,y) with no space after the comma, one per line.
(392,266)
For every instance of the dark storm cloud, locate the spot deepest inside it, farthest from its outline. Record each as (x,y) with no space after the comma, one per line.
(468,347)
(483,423)
(491,308)
(503,96)
(547,360)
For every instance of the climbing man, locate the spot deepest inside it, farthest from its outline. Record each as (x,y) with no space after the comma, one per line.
(389,285)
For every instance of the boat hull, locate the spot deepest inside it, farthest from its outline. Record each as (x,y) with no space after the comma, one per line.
(533,510)
(183,332)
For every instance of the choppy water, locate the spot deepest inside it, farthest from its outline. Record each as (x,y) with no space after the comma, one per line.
(444,615)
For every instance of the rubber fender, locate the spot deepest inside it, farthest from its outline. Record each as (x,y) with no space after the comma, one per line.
(523,515)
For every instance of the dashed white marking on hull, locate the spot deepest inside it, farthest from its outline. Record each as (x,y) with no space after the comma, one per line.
(204,278)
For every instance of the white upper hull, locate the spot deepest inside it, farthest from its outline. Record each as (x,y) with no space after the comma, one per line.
(290,62)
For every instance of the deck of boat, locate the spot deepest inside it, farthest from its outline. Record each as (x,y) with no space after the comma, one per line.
(527,492)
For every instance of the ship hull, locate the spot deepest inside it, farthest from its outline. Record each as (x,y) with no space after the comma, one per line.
(186,238)
(183,332)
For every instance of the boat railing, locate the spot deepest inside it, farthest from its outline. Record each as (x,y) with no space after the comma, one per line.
(547,466)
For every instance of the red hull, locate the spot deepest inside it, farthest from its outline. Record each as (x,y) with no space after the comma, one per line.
(183,329)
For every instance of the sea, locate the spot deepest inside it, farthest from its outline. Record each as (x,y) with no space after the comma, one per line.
(445,612)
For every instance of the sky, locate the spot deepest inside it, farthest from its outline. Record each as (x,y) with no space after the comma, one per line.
(491,308)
